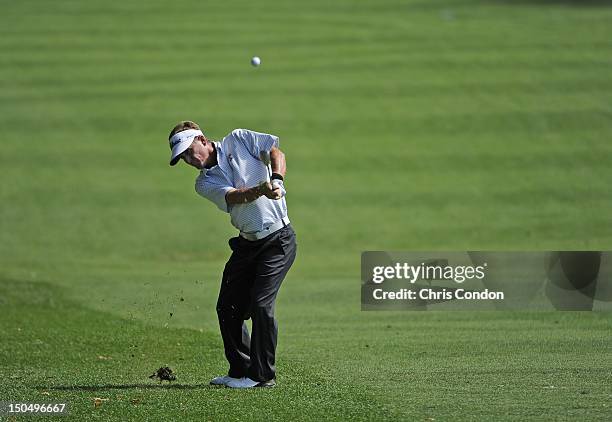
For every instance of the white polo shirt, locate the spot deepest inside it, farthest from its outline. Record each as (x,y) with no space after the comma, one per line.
(238,166)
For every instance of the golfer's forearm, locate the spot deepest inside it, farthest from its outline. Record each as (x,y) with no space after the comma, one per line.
(277,161)
(242,196)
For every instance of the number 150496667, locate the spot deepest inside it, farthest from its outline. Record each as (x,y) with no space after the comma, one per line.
(12,408)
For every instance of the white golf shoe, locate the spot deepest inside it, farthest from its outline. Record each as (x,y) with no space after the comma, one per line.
(223,380)
(249,383)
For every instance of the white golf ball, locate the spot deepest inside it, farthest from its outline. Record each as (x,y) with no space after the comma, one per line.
(255,61)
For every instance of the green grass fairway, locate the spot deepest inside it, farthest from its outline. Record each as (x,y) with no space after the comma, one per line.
(352,366)
(407,125)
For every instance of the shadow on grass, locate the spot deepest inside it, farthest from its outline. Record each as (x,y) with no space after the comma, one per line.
(476,3)
(125,387)
(570,3)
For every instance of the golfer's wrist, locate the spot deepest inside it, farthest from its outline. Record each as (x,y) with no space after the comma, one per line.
(243,196)
(249,195)
(256,192)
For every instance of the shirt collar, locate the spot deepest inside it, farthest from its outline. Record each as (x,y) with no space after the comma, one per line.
(222,162)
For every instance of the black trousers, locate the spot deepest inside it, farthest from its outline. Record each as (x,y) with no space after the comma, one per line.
(251,280)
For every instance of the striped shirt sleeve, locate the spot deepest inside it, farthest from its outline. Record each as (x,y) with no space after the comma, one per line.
(256,142)
(213,191)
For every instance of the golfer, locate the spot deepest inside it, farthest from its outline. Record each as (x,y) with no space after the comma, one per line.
(243,176)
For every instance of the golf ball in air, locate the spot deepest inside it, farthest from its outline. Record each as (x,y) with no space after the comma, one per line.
(255,61)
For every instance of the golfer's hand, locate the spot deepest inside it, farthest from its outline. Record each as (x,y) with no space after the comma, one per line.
(281,185)
(269,191)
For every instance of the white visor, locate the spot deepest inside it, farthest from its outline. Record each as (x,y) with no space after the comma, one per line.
(180,142)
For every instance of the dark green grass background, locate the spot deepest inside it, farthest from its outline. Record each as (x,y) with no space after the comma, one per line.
(407,125)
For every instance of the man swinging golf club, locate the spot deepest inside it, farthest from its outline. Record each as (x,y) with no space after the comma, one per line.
(243,175)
